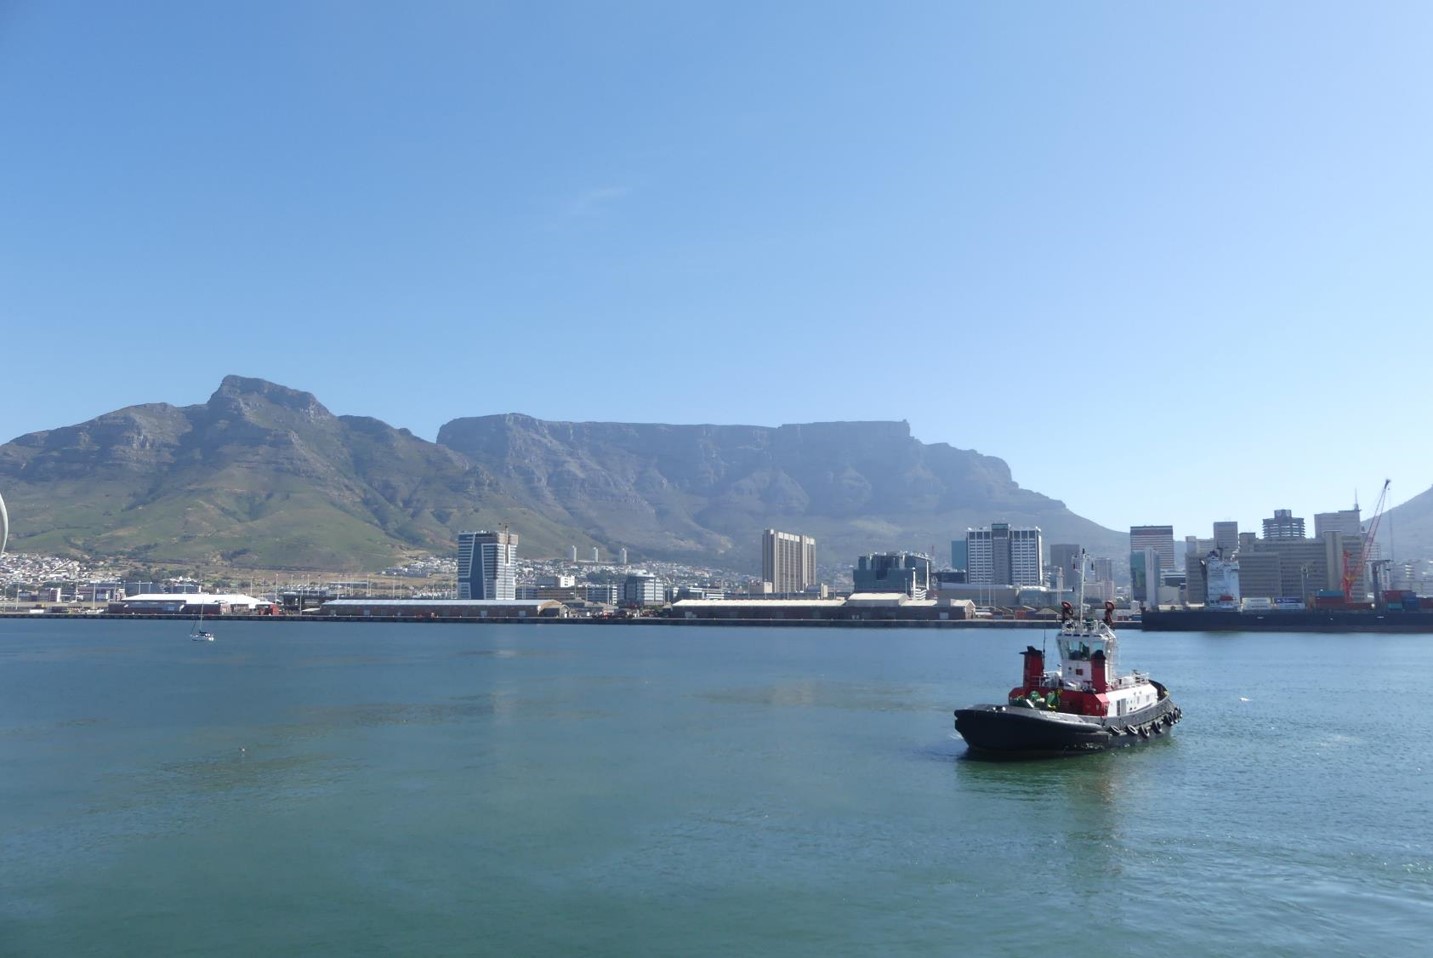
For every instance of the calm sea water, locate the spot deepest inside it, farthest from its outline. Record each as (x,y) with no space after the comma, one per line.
(456,790)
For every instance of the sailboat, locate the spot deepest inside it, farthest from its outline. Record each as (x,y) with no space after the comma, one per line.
(198,633)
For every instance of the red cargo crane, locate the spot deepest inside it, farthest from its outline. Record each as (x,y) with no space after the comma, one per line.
(1352,570)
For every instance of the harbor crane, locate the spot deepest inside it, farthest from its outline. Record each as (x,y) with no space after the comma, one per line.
(1353,569)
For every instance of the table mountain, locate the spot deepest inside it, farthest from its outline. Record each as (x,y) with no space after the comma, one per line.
(263,476)
(706,492)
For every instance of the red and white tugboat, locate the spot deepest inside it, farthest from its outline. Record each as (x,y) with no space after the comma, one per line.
(1085,705)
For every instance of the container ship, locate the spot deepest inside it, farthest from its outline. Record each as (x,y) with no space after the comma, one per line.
(1395,611)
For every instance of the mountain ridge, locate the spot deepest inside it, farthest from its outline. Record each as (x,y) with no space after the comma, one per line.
(266,476)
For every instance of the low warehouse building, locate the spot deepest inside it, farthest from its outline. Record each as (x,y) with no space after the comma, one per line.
(867,607)
(446,608)
(190,603)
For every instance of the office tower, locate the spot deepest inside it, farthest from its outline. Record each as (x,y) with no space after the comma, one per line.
(1065,563)
(1297,568)
(487,565)
(959,554)
(1158,538)
(1345,522)
(1144,575)
(788,561)
(1284,525)
(1226,538)
(643,588)
(622,556)
(1104,569)
(1001,555)
(1196,548)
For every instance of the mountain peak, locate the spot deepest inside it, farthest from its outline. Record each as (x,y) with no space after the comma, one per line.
(240,394)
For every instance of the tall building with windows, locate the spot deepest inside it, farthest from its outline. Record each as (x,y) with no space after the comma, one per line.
(1001,555)
(1226,538)
(1284,525)
(1158,538)
(487,565)
(643,588)
(1104,569)
(788,561)
(959,554)
(1144,575)
(1346,522)
(1065,565)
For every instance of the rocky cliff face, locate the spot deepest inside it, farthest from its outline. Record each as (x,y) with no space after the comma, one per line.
(708,491)
(265,476)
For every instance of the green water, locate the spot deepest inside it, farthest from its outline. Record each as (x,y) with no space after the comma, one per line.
(491,790)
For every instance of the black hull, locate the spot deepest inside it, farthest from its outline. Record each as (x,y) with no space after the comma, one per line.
(1291,620)
(1017,731)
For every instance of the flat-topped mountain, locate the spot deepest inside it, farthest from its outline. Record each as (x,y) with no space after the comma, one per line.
(264,476)
(706,492)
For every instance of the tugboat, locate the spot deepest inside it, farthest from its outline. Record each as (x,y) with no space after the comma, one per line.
(1083,706)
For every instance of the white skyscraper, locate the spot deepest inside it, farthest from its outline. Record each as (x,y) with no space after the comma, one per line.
(1001,555)
(487,565)
(788,561)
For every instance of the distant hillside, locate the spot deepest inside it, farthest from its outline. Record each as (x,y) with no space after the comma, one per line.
(1407,529)
(263,476)
(259,476)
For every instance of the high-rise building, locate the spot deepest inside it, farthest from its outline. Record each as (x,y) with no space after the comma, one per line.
(1144,575)
(1158,538)
(1346,522)
(959,555)
(1226,538)
(1284,525)
(1001,555)
(1297,568)
(788,561)
(1065,563)
(487,565)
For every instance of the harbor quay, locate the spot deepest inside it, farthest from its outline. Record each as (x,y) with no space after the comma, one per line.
(1001,624)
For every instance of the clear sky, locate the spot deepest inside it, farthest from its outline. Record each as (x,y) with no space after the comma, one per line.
(1171,262)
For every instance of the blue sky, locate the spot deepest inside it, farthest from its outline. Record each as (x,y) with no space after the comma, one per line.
(1169,261)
